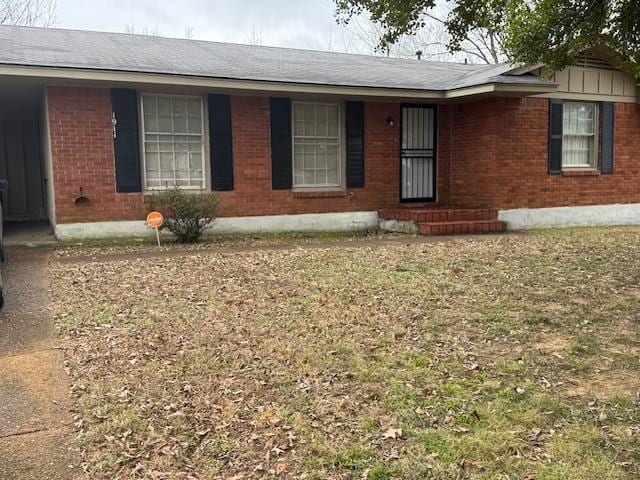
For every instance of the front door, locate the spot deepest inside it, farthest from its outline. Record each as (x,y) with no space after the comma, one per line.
(418,154)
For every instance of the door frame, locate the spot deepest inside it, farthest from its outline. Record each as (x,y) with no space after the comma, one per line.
(433,198)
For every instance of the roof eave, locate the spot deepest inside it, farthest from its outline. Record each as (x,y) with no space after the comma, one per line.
(502,88)
(140,78)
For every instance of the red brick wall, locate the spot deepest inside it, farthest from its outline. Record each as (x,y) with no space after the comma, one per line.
(500,155)
(82,156)
(252,194)
(491,152)
(82,151)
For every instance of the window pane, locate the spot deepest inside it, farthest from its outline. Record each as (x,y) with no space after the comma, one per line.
(332,176)
(179,124)
(165,125)
(173,156)
(194,106)
(166,161)
(298,119)
(195,162)
(309,120)
(332,157)
(316,144)
(150,122)
(195,124)
(179,106)
(309,177)
(165,146)
(164,105)
(149,105)
(182,161)
(153,162)
(322,121)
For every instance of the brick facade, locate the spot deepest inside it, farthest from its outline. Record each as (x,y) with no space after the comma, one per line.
(82,156)
(500,154)
(252,194)
(491,152)
(82,152)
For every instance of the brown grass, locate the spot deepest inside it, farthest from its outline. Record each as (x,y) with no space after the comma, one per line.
(465,359)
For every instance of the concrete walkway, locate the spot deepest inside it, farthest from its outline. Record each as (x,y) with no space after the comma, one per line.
(36,436)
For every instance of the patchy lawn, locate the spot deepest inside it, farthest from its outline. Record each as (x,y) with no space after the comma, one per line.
(513,357)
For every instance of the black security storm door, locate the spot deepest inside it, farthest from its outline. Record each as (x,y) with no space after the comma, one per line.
(418,154)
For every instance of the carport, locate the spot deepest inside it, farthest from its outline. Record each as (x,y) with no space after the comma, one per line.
(24,151)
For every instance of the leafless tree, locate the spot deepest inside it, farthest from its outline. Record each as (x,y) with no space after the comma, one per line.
(255,36)
(188,32)
(131,28)
(368,35)
(343,40)
(481,46)
(432,40)
(33,13)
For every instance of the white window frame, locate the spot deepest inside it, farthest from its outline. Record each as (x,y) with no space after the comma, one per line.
(203,134)
(595,135)
(341,155)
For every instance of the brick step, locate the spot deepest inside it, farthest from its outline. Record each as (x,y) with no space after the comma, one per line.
(441,214)
(463,227)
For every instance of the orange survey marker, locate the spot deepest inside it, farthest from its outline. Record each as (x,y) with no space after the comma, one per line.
(155,221)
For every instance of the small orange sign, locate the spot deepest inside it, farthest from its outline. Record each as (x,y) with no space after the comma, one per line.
(155,219)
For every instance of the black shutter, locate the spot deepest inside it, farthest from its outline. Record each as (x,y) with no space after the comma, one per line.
(555,137)
(355,144)
(281,148)
(220,142)
(126,143)
(608,121)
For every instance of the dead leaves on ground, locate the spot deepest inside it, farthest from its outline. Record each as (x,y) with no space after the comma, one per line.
(339,363)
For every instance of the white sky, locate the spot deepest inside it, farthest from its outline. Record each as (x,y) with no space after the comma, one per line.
(287,23)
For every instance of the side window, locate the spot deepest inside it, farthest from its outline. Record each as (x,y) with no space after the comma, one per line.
(580,136)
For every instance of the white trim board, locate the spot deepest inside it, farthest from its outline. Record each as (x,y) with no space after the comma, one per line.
(133,78)
(585,216)
(310,222)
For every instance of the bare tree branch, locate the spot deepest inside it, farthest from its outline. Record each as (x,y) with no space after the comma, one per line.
(33,13)
(153,31)
(433,40)
(255,36)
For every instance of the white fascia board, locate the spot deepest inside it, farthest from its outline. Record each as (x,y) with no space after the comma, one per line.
(56,73)
(135,78)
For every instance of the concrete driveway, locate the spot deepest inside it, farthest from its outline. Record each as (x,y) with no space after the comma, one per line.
(36,434)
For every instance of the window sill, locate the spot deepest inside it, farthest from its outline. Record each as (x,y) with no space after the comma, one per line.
(581,173)
(318,194)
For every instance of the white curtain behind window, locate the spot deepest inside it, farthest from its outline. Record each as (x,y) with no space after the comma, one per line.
(578,145)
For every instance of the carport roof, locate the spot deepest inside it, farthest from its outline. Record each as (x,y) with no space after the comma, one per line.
(118,52)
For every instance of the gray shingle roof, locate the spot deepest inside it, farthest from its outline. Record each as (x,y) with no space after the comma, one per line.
(146,54)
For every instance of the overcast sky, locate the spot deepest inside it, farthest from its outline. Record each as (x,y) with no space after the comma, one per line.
(287,23)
